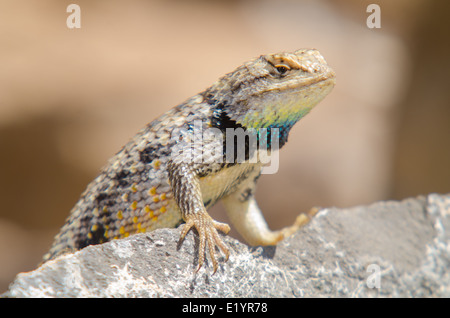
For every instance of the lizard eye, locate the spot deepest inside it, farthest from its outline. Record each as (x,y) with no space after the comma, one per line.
(282,69)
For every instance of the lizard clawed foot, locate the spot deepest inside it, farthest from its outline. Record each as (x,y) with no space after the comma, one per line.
(300,221)
(208,235)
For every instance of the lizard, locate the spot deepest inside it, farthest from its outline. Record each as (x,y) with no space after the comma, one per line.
(149,185)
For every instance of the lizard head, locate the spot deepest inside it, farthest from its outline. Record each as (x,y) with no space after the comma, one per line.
(275,90)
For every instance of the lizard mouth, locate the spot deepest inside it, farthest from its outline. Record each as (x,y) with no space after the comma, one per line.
(288,101)
(300,69)
(326,77)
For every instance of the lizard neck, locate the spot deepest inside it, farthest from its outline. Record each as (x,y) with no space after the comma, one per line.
(222,120)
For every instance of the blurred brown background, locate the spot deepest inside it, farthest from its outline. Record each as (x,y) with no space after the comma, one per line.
(69,99)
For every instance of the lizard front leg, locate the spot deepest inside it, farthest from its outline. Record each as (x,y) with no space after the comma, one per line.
(187,193)
(246,217)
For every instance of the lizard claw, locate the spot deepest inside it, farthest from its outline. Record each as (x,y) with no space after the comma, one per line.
(208,235)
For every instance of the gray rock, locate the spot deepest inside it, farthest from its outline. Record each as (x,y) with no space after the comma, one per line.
(388,249)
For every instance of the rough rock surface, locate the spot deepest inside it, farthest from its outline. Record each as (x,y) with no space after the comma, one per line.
(388,249)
